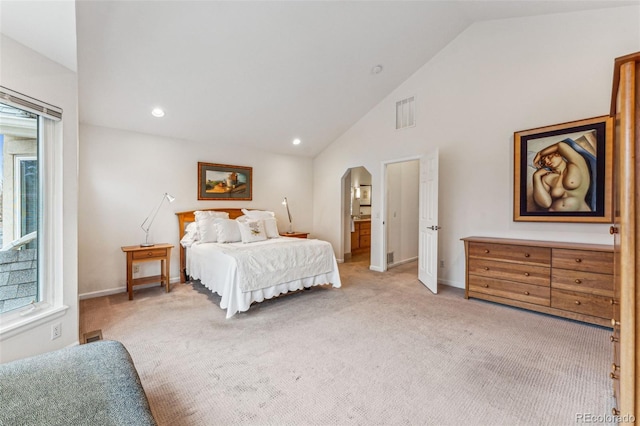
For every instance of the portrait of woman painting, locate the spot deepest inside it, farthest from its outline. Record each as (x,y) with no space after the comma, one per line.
(563,172)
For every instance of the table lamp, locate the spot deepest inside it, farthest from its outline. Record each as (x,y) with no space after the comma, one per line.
(151,218)
(286,203)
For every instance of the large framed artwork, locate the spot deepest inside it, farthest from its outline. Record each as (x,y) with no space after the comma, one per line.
(563,172)
(224,182)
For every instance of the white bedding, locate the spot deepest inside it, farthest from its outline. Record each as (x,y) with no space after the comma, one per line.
(291,264)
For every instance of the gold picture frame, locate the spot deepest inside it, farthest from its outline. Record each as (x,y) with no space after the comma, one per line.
(563,172)
(224,182)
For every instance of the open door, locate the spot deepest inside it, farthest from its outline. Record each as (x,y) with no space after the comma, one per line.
(428,222)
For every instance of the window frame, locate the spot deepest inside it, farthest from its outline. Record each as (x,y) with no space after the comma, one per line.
(50,247)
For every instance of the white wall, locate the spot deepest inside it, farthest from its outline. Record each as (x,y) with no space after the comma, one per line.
(497,77)
(124,174)
(25,71)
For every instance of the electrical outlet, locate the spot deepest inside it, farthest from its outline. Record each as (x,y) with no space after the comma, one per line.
(136,269)
(442,263)
(56,330)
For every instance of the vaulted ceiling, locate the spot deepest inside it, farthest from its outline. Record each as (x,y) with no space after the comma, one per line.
(250,74)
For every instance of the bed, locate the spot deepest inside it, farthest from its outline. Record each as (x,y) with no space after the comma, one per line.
(244,273)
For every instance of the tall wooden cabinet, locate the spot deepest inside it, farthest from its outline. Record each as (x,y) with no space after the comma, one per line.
(625,108)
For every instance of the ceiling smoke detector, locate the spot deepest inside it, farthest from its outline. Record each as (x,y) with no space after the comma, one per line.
(376,70)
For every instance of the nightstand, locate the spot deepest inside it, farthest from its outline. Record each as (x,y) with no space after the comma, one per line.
(137,254)
(295,234)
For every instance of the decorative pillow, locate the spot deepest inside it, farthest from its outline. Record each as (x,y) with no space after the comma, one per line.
(271,227)
(228,231)
(252,231)
(258,214)
(270,224)
(190,235)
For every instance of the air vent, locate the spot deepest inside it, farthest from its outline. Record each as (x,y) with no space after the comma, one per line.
(389,258)
(406,113)
(92,336)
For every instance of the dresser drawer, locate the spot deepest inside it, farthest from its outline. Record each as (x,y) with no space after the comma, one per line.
(582,303)
(583,260)
(149,254)
(524,273)
(586,282)
(510,290)
(516,253)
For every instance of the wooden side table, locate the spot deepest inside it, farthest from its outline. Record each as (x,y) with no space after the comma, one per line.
(137,254)
(295,234)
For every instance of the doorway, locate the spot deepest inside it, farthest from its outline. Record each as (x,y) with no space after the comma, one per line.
(402,180)
(419,180)
(357,204)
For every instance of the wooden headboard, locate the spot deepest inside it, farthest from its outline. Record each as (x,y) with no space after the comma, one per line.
(184,218)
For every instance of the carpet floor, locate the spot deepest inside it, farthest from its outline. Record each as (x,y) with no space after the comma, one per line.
(381,350)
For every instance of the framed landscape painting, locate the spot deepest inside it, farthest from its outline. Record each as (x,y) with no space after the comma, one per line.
(224,182)
(563,172)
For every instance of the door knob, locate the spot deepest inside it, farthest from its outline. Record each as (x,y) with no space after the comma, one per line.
(433,228)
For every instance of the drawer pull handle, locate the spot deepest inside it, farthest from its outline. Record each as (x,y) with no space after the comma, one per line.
(613,339)
(486,286)
(527,255)
(578,260)
(577,302)
(486,268)
(615,411)
(614,302)
(149,254)
(526,293)
(614,322)
(578,281)
(614,367)
(526,274)
(486,251)
(613,376)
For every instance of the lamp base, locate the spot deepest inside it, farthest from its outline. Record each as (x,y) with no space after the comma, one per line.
(290,232)
(147,245)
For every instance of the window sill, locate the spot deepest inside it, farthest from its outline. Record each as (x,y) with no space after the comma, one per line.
(21,321)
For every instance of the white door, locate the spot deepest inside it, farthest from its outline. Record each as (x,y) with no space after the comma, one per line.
(428,222)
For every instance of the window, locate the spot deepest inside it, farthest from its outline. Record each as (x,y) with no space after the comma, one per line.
(31,220)
(19,198)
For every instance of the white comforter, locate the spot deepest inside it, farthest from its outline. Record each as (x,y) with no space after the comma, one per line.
(245,273)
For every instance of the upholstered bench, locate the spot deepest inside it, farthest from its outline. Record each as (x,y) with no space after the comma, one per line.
(91,384)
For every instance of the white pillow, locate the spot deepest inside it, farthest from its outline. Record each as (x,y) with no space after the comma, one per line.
(270,224)
(228,231)
(190,235)
(252,231)
(208,230)
(271,227)
(258,214)
(206,221)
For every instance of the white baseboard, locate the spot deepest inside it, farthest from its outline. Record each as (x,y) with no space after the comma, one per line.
(122,289)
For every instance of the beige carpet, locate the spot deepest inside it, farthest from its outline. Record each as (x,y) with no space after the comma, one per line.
(380,350)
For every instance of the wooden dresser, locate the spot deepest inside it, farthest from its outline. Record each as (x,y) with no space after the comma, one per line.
(570,280)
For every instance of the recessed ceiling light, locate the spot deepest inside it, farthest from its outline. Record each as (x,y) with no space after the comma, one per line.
(157,112)
(376,70)
(296,141)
